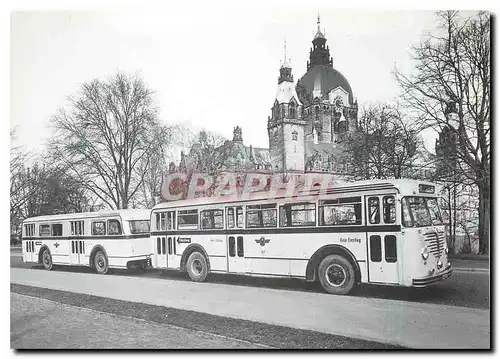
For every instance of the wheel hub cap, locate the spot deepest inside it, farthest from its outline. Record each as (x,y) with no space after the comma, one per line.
(336,275)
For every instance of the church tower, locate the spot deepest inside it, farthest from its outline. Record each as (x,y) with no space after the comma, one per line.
(285,126)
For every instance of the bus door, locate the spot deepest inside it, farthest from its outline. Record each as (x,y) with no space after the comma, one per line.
(235,240)
(382,238)
(76,243)
(29,251)
(77,251)
(165,243)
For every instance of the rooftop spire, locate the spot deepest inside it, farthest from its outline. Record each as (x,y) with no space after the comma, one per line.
(286,61)
(319,34)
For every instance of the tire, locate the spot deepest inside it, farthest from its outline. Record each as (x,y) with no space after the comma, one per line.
(101,265)
(336,274)
(197,267)
(47,259)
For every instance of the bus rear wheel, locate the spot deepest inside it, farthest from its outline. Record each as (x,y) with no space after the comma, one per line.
(101,263)
(47,259)
(197,267)
(336,274)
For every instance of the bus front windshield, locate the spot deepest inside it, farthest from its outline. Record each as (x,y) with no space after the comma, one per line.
(420,212)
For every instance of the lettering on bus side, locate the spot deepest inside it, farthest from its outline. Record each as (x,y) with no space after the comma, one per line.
(350,240)
(183,240)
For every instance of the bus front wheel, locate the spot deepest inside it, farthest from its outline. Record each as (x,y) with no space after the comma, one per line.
(336,274)
(197,267)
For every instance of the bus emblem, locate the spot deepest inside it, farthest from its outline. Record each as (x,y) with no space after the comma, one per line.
(262,241)
(56,244)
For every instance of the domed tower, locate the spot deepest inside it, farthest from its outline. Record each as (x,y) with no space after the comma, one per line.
(285,126)
(329,108)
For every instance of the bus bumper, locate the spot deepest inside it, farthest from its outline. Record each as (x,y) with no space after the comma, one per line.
(424,282)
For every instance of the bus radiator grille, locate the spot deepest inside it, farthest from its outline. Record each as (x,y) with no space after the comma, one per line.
(435,243)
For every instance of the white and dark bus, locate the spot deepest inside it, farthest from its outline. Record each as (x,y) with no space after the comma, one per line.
(382,232)
(101,240)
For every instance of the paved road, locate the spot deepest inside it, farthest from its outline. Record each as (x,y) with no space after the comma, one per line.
(51,325)
(416,325)
(466,288)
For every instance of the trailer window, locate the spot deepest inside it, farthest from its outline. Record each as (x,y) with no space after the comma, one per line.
(98,228)
(139,226)
(114,227)
(44,230)
(77,228)
(57,230)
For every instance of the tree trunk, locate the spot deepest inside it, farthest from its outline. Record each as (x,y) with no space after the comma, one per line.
(484,217)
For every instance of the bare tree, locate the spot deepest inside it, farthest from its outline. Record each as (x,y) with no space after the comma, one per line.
(385,144)
(106,137)
(451,89)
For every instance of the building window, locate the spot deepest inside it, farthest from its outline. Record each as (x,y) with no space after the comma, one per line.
(212,219)
(292,110)
(295,135)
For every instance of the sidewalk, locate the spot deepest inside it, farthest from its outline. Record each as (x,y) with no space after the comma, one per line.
(416,325)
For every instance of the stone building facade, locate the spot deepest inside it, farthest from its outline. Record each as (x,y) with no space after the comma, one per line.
(309,120)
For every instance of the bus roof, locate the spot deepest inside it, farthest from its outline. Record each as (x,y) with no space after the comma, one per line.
(404,186)
(125,214)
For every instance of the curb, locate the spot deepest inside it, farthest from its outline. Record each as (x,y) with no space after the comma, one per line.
(469,270)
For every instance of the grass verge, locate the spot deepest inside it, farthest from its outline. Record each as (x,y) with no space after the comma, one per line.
(271,335)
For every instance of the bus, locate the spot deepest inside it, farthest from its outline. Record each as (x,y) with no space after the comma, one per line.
(100,240)
(387,232)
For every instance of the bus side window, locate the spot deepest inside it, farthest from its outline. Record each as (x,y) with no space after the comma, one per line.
(57,230)
(259,216)
(114,227)
(230,217)
(98,228)
(374,210)
(44,230)
(389,209)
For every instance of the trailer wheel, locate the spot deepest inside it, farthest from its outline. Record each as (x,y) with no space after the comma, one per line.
(197,267)
(101,263)
(47,259)
(336,274)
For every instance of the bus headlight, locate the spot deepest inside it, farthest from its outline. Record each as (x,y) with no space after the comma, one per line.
(425,253)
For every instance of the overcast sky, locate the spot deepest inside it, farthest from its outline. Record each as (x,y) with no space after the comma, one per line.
(210,66)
